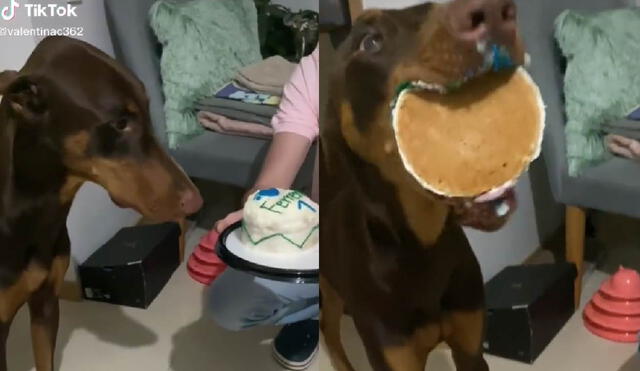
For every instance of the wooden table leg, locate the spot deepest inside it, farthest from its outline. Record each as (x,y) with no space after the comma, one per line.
(575,234)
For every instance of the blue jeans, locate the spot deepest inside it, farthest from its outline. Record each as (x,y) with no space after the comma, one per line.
(239,301)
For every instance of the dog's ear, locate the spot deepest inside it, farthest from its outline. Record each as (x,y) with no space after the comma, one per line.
(6,153)
(26,98)
(6,78)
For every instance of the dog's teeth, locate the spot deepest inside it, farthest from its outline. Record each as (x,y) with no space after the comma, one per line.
(527,59)
(502,208)
(481,46)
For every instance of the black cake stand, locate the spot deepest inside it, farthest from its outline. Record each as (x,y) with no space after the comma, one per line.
(271,273)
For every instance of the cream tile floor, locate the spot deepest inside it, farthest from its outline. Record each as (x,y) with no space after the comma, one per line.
(574,349)
(173,335)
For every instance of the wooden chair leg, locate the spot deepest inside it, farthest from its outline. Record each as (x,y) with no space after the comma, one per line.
(183,228)
(355,9)
(575,233)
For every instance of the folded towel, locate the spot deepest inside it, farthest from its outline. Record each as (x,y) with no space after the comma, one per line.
(225,125)
(237,115)
(268,76)
(632,134)
(624,127)
(235,92)
(256,109)
(622,124)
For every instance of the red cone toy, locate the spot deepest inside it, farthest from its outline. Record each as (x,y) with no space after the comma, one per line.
(204,266)
(614,311)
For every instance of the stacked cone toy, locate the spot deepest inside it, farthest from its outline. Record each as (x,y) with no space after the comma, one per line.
(204,265)
(614,311)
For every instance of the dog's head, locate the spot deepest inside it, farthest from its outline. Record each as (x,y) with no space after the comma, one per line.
(91,116)
(439,44)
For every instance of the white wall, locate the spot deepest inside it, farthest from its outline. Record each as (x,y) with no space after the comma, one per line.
(93,218)
(299,4)
(91,17)
(514,242)
(519,238)
(20,47)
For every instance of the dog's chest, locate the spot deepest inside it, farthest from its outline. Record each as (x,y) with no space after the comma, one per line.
(35,237)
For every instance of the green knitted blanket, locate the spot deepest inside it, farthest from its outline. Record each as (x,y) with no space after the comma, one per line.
(602,79)
(204,44)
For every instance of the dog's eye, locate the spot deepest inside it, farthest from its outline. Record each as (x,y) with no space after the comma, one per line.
(121,124)
(371,44)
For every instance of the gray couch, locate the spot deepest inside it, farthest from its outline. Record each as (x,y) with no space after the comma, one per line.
(613,186)
(221,158)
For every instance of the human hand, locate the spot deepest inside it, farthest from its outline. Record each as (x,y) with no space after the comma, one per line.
(622,146)
(251,191)
(235,216)
(228,220)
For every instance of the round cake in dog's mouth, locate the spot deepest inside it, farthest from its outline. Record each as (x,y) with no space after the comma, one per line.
(472,143)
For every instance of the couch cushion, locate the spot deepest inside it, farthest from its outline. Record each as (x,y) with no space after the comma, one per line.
(612,186)
(137,48)
(231,159)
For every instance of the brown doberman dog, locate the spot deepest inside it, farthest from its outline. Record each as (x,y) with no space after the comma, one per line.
(72,114)
(394,256)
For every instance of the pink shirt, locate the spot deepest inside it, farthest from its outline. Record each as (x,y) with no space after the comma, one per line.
(299,111)
(299,108)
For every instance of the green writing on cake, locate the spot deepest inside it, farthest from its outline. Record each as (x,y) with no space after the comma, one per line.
(299,246)
(284,202)
(270,208)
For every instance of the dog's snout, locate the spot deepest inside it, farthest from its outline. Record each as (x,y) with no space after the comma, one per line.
(191,201)
(478,20)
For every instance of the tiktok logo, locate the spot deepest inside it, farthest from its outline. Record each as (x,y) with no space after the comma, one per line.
(9,12)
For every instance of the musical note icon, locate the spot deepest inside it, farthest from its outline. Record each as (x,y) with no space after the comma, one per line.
(9,12)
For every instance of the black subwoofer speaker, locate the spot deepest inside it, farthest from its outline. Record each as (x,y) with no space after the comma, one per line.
(133,267)
(526,307)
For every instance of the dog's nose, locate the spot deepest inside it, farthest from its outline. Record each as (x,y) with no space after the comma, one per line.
(480,20)
(191,201)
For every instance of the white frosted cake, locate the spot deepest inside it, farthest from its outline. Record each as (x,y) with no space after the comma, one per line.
(280,221)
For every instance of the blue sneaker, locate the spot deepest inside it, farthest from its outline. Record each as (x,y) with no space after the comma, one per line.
(297,344)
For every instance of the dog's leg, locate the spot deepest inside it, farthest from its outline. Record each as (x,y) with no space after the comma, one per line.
(13,298)
(332,310)
(45,312)
(463,333)
(4,333)
(44,308)
(389,352)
